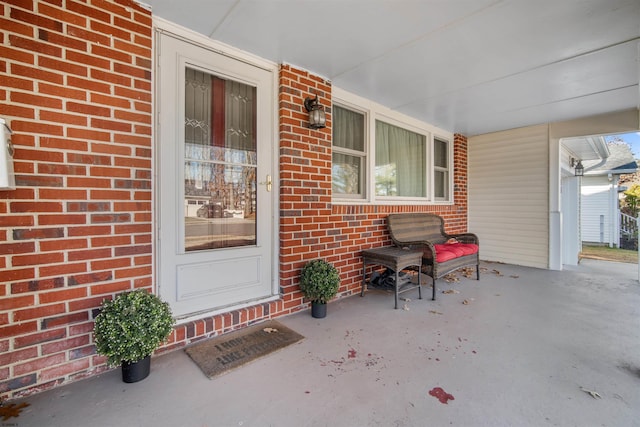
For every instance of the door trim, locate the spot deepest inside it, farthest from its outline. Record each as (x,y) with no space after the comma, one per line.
(162,26)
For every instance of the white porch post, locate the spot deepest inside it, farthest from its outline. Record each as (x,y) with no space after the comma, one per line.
(555,212)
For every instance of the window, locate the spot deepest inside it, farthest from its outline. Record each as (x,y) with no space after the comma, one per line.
(441,169)
(382,156)
(349,156)
(400,162)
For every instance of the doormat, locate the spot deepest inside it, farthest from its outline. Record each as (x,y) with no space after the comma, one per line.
(224,353)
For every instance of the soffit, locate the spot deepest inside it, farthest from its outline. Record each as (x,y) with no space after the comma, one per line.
(468,66)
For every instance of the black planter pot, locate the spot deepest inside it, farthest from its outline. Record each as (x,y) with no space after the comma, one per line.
(318,310)
(136,371)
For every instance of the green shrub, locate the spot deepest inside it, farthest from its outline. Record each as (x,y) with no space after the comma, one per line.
(131,326)
(319,281)
(631,199)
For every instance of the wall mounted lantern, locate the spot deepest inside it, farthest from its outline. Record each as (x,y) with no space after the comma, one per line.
(579,169)
(317,119)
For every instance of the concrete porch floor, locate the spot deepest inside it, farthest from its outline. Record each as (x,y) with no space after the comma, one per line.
(517,354)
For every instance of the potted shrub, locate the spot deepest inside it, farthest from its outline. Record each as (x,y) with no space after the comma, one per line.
(129,328)
(319,282)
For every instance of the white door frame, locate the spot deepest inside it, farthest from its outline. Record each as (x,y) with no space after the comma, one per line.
(165,27)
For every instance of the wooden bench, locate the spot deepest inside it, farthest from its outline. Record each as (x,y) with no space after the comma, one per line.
(425,232)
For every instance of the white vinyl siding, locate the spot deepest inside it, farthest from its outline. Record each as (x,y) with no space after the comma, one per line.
(509,195)
(596,210)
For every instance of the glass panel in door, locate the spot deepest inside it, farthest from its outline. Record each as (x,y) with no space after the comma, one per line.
(220,162)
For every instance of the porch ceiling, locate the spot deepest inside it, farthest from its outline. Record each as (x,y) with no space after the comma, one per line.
(469,66)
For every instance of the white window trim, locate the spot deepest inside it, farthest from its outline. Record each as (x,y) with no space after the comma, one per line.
(362,198)
(374,111)
(450,142)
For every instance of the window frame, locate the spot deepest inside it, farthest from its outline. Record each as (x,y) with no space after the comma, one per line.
(373,112)
(363,155)
(448,169)
(400,124)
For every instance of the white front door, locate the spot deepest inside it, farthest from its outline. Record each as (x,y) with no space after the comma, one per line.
(214,193)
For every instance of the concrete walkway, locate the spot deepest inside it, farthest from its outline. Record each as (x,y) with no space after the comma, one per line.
(519,352)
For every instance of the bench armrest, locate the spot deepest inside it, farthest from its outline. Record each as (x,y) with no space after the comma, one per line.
(464,238)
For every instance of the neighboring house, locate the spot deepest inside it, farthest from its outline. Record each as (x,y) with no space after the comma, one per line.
(125,179)
(600,207)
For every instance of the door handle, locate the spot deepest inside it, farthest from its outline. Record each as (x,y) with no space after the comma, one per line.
(267,183)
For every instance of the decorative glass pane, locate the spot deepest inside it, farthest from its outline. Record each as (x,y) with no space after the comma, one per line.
(346,172)
(197,108)
(220,162)
(400,162)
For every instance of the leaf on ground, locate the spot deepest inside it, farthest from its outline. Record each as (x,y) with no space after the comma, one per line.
(451,277)
(592,393)
(12,410)
(468,272)
(270,330)
(465,302)
(450,291)
(434,312)
(514,276)
(497,272)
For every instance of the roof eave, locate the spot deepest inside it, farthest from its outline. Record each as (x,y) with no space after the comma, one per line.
(610,171)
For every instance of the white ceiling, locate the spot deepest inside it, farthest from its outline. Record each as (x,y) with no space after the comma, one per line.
(467,66)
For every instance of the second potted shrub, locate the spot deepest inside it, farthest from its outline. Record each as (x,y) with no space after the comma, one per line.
(319,282)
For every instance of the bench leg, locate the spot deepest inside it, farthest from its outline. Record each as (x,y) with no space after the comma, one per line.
(433,296)
(419,286)
(477,271)
(364,278)
(397,286)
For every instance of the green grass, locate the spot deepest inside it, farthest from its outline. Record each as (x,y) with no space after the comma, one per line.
(609,254)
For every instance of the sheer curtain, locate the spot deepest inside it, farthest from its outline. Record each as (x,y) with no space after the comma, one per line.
(348,154)
(348,129)
(400,162)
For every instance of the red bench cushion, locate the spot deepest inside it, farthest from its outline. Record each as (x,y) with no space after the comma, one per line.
(447,252)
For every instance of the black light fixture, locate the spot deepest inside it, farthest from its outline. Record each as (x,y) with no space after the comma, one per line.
(317,119)
(579,169)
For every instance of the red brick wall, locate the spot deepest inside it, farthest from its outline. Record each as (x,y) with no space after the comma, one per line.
(305,180)
(310,226)
(75,87)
